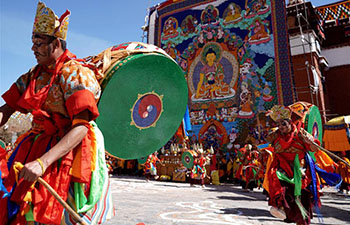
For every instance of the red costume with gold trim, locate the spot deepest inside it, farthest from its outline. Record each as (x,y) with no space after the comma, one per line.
(54,95)
(292,177)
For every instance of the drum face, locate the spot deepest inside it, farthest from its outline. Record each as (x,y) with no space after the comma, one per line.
(311,117)
(142,105)
(187,158)
(313,123)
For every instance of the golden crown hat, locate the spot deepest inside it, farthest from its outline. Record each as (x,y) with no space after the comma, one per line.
(46,22)
(279,112)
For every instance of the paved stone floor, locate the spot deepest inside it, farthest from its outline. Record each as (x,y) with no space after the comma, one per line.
(158,203)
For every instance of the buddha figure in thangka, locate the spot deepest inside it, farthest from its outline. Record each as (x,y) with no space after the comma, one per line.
(259,32)
(170,28)
(232,13)
(211,84)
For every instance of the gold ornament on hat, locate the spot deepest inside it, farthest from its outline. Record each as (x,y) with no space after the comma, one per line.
(46,22)
(279,112)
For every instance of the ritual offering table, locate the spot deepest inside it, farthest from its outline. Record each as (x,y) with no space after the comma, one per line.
(169,164)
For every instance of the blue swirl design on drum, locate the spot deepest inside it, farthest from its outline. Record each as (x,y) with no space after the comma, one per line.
(147,110)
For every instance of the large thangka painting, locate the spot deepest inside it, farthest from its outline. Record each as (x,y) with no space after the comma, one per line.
(235,58)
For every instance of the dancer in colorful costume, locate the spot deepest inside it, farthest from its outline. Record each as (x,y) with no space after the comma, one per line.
(253,172)
(150,168)
(292,174)
(64,146)
(247,171)
(198,171)
(239,160)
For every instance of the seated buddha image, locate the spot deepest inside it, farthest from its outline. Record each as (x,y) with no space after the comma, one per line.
(254,7)
(170,28)
(211,83)
(259,33)
(232,13)
(188,25)
(210,15)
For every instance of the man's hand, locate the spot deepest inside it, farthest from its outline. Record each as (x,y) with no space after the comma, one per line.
(31,171)
(309,139)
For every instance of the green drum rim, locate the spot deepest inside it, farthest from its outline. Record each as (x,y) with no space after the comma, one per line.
(313,123)
(187,159)
(142,160)
(2,144)
(133,79)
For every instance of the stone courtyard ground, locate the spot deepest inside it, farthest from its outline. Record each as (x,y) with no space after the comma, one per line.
(158,203)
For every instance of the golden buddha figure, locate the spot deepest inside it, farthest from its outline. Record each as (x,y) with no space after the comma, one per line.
(211,83)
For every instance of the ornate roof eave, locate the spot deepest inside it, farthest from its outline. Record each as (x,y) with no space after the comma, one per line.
(334,14)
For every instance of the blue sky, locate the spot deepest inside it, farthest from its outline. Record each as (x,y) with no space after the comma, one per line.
(94,26)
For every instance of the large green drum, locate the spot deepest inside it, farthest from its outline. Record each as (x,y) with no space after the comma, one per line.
(310,116)
(313,123)
(143,101)
(142,160)
(188,158)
